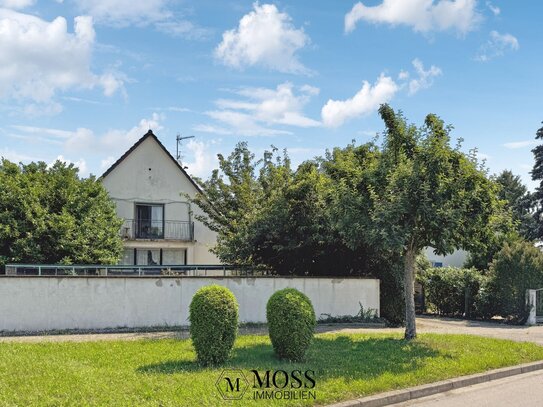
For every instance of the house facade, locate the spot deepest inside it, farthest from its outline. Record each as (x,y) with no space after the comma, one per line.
(148,185)
(456,259)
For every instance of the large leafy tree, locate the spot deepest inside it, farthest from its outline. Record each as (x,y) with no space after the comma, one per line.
(413,192)
(50,215)
(233,197)
(537,175)
(269,215)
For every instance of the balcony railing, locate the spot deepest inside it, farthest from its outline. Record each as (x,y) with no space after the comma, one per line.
(157,230)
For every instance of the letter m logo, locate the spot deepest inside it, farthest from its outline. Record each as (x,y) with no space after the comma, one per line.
(232,384)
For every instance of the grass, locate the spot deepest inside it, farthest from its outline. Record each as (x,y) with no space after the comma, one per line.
(164,372)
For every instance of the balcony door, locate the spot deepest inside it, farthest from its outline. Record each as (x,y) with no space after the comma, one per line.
(149,221)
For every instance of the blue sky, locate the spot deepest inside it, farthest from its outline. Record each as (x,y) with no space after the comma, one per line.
(82,80)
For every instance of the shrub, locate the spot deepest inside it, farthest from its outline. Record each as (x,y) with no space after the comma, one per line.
(213,324)
(291,323)
(451,291)
(486,303)
(518,266)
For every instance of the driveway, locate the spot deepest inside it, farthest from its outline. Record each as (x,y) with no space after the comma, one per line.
(458,326)
(424,324)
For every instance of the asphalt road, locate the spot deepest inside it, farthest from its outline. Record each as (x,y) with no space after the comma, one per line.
(524,390)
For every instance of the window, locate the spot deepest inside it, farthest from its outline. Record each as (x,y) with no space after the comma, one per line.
(128,257)
(173,257)
(148,257)
(149,221)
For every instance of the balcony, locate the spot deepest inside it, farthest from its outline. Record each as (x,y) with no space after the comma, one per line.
(133,229)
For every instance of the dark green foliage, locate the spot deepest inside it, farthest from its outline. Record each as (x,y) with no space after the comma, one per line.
(390,273)
(50,215)
(213,324)
(537,175)
(291,323)
(516,223)
(519,202)
(516,268)
(451,291)
(486,304)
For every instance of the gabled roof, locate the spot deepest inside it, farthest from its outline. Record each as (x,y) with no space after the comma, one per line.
(147,135)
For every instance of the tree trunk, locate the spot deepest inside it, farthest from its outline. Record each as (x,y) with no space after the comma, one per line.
(409,289)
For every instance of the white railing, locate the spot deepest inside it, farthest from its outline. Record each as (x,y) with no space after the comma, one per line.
(89,270)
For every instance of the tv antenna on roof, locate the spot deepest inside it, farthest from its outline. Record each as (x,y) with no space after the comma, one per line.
(179,139)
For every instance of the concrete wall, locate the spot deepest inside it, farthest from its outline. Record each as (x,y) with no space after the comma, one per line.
(148,175)
(49,303)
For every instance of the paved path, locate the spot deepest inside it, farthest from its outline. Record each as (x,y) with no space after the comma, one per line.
(457,326)
(424,324)
(524,390)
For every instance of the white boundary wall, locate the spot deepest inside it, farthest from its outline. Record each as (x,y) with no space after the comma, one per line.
(52,303)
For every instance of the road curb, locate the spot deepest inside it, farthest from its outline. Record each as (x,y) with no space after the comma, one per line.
(412,393)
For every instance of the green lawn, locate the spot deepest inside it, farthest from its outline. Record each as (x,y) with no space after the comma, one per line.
(163,372)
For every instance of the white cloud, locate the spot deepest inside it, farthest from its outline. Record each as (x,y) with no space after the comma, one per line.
(520,144)
(178,109)
(425,77)
(243,124)
(184,29)
(157,13)
(40,58)
(107,162)
(17,4)
(420,15)
(112,142)
(15,156)
(264,37)
(496,46)
(403,75)
(495,9)
(125,12)
(261,108)
(336,112)
(204,161)
(111,83)
(81,164)
(50,108)
(43,131)
(208,128)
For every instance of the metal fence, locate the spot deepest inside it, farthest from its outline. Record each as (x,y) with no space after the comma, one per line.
(83,270)
(147,229)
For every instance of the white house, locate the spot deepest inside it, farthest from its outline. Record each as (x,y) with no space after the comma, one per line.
(456,259)
(147,184)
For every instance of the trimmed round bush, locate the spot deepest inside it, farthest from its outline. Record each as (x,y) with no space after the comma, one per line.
(213,316)
(291,323)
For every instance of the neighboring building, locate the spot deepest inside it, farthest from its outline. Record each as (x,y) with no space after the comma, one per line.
(147,184)
(456,259)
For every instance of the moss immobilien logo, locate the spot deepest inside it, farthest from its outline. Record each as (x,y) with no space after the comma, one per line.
(234,384)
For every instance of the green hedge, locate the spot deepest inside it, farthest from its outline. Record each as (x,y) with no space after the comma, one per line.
(516,268)
(291,323)
(213,324)
(451,291)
